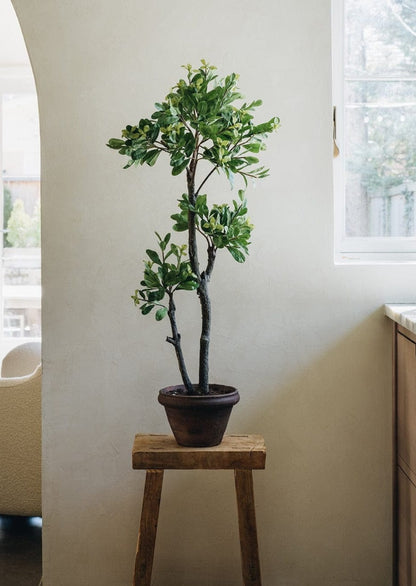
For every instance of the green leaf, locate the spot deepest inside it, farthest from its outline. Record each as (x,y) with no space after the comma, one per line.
(145,309)
(163,242)
(236,254)
(253,147)
(174,249)
(171,278)
(181,222)
(137,155)
(150,279)
(188,285)
(251,160)
(254,104)
(177,170)
(153,255)
(179,227)
(230,176)
(161,313)
(115,143)
(266,127)
(151,157)
(189,144)
(156,295)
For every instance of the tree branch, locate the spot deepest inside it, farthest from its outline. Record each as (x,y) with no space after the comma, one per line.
(161,147)
(212,253)
(400,19)
(205,335)
(175,340)
(192,242)
(206,179)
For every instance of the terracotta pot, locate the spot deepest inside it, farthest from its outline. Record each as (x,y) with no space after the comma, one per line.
(198,420)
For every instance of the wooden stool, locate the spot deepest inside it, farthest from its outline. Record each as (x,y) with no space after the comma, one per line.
(156,453)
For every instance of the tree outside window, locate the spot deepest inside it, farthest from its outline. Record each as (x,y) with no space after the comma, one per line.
(379,118)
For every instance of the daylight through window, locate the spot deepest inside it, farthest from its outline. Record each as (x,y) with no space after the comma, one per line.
(20,242)
(374,60)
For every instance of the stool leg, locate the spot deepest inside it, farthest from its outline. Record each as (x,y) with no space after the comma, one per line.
(248,531)
(148,528)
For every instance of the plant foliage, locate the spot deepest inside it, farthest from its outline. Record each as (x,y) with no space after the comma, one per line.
(198,121)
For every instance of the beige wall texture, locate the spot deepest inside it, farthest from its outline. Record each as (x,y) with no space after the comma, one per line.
(305,341)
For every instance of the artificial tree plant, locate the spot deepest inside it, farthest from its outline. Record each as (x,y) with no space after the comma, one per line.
(198,124)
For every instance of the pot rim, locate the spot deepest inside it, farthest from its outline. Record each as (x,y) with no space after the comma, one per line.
(226,390)
(168,397)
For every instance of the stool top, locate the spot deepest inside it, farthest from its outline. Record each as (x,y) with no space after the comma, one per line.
(161,452)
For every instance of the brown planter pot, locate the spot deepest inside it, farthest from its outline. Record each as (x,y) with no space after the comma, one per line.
(198,420)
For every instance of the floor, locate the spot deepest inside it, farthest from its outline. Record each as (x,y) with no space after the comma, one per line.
(20,551)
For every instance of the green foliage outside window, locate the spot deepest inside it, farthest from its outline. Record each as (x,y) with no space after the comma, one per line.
(7,210)
(380,69)
(23,231)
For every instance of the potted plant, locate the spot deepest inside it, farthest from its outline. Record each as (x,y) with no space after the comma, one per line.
(201,130)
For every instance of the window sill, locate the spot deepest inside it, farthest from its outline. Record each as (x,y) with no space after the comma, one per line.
(375,258)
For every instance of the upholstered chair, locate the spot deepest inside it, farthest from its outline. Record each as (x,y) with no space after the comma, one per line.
(20,432)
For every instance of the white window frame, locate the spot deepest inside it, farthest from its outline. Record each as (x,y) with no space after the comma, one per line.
(351,250)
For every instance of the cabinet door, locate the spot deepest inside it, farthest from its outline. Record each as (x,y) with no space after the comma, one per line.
(406,401)
(406,531)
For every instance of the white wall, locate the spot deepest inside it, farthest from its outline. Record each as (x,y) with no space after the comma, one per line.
(305,341)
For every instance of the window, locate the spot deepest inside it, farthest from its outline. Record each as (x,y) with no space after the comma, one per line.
(20,278)
(374,88)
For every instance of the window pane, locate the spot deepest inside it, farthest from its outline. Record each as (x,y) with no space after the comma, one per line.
(21,146)
(21,266)
(379,37)
(386,92)
(380,155)
(380,119)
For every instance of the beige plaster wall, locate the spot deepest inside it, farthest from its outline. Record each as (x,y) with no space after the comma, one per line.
(305,341)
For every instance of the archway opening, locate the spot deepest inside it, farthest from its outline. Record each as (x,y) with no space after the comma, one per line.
(20,253)
(20,295)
